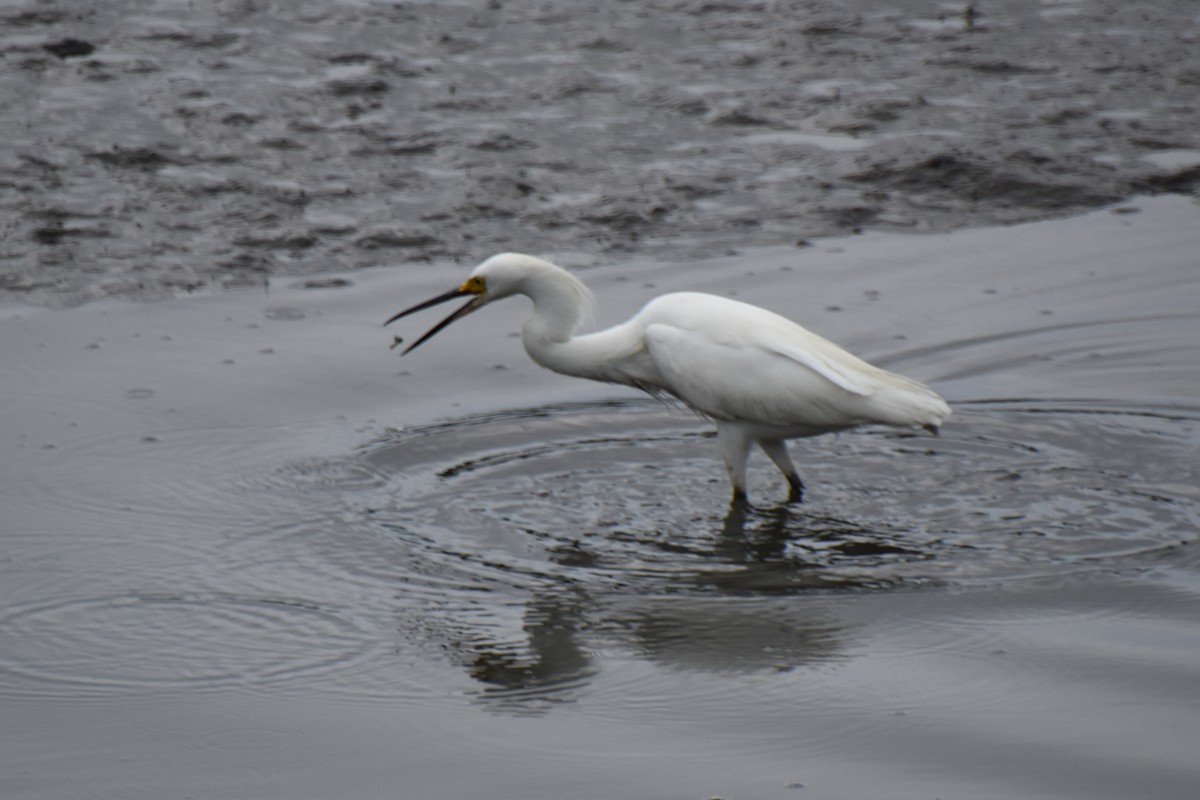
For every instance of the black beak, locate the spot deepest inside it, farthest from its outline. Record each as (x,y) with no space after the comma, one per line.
(475,302)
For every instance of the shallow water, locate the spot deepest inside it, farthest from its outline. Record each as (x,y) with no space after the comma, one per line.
(226,573)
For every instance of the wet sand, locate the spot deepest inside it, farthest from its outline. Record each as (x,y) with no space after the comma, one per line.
(178,147)
(248,551)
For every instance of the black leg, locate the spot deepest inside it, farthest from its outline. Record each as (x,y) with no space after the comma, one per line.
(795,489)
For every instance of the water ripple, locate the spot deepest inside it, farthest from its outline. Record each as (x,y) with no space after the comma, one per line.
(526,540)
(518,547)
(634,493)
(144,641)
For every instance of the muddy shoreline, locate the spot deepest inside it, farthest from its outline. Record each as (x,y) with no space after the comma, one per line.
(151,151)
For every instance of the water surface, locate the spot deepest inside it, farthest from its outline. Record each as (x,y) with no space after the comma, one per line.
(246,552)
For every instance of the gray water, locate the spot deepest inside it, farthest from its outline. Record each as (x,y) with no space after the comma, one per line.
(247,553)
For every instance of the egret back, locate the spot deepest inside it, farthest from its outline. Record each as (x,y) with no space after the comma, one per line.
(737,362)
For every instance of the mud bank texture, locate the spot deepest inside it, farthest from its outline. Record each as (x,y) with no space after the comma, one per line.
(153,148)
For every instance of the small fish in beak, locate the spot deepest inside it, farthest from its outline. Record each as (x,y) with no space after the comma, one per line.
(472,287)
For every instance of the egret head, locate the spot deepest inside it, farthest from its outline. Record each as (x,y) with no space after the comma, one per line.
(497,277)
(474,287)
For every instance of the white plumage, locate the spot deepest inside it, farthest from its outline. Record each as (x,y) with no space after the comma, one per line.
(761,378)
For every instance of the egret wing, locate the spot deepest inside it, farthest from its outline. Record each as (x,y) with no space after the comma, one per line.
(748,382)
(873,394)
(820,355)
(740,325)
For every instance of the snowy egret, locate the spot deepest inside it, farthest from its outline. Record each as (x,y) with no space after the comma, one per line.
(761,378)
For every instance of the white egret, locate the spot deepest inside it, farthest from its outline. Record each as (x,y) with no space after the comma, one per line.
(761,378)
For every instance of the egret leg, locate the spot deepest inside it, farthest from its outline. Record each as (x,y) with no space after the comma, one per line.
(735,449)
(776,450)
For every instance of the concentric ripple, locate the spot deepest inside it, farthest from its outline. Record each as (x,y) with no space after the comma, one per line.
(524,542)
(163,641)
(518,545)
(635,493)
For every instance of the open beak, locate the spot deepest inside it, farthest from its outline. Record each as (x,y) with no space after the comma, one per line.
(475,302)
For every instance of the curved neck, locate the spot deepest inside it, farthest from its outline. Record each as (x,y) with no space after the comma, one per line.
(560,303)
(566,355)
(613,355)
